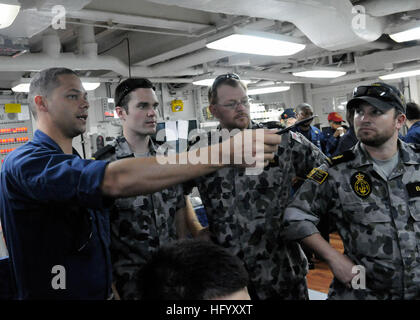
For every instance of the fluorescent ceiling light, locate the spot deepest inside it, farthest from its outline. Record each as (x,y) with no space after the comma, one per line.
(21,87)
(209,82)
(8,13)
(268,90)
(319,74)
(397,75)
(255,42)
(408,35)
(89,86)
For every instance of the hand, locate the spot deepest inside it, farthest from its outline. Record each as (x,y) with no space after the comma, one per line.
(340,131)
(251,148)
(342,267)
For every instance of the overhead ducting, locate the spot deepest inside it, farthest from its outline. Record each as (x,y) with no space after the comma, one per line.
(351,27)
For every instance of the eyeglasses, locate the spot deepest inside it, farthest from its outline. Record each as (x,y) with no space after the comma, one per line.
(380,92)
(234,105)
(223,77)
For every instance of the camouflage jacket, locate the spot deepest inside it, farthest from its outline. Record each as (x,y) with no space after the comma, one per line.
(139,225)
(378,220)
(245,213)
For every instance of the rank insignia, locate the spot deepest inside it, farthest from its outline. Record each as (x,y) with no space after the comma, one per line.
(413,189)
(318,175)
(361,184)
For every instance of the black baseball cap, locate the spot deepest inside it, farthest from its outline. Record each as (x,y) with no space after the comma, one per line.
(129,85)
(380,95)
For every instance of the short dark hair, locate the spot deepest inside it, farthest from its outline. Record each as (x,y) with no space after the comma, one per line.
(43,83)
(229,79)
(123,90)
(413,111)
(192,270)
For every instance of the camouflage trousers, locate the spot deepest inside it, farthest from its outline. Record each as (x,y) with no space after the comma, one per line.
(297,290)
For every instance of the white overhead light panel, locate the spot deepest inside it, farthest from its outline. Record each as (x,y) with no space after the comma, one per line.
(408,35)
(89,86)
(257,42)
(268,90)
(209,82)
(397,75)
(319,74)
(8,13)
(22,85)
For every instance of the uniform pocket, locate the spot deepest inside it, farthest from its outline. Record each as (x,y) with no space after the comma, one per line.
(368,231)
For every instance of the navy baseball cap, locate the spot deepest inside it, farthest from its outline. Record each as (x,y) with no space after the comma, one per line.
(288,113)
(380,95)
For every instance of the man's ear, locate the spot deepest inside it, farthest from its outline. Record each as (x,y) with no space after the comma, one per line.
(213,111)
(121,112)
(401,118)
(41,103)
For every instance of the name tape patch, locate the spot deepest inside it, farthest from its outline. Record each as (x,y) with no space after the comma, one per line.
(318,175)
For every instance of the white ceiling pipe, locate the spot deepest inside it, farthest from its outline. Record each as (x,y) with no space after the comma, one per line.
(134,20)
(327,15)
(380,8)
(87,41)
(376,61)
(357,76)
(200,57)
(51,45)
(173,53)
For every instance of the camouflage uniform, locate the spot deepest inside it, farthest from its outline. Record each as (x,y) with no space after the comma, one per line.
(378,220)
(139,225)
(245,213)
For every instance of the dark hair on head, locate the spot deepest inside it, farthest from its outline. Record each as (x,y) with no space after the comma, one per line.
(123,90)
(43,83)
(233,82)
(191,270)
(303,106)
(412,111)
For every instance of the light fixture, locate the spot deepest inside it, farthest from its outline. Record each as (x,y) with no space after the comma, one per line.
(89,86)
(22,85)
(257,42)
(408,35)
(402,74)
(208,82)
(255,91)
(8,13)
(319,74)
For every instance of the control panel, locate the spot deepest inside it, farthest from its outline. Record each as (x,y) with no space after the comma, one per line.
(15,129)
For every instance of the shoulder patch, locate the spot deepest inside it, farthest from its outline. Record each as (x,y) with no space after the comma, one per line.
(318,175)
(344,157)
(98,155)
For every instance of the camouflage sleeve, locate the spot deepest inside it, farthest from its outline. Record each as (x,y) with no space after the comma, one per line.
(315,197)
(305,155)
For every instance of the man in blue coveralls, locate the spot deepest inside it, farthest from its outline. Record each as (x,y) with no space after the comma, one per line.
(53,204)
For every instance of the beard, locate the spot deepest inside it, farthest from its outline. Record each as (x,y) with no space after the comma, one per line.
(374,140)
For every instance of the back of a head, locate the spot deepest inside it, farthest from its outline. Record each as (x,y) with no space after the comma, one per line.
(413,111)
(192,270)
(303,106)
(44,82)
